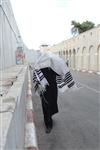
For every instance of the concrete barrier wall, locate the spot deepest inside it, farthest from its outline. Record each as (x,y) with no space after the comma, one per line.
(16,132)
(10,38)
(8,35)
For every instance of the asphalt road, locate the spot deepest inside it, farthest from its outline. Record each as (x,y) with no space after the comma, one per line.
(77,125)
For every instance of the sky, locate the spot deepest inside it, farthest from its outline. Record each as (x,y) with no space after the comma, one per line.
(49,21)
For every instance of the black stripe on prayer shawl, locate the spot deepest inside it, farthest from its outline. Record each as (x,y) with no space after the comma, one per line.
(36,82)
(70,85)
(39,74)
(36,87)
(58,79)
(38,71)
(68,73)
(41,78)
(68,77)
(68,80)
(34,77)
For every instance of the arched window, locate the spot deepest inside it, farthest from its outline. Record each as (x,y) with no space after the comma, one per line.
(74,59)
(84,58)
(70,58)
(66,54)
(91,58)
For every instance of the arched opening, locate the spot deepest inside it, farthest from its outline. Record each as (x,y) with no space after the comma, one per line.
(66,55)
(74,59)
(84,58)
(77,58)
(62,53)
(91,58)
(59,53)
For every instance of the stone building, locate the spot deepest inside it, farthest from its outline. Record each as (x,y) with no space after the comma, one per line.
(81,51)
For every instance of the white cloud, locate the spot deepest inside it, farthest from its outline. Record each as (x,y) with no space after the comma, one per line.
(42,21)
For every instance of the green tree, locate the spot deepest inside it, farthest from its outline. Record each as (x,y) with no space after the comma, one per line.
(81,27)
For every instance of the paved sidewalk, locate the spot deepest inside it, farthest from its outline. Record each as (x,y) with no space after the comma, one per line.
(7,78)
(10,85)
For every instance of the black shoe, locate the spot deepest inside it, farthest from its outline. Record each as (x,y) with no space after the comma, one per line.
(48,124)
(48,129)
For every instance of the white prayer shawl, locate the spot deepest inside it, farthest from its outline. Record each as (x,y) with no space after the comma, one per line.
(65,80)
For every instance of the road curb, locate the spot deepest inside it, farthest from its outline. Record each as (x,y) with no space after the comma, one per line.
(30,131)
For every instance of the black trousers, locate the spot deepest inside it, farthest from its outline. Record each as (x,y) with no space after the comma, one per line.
(49,97)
